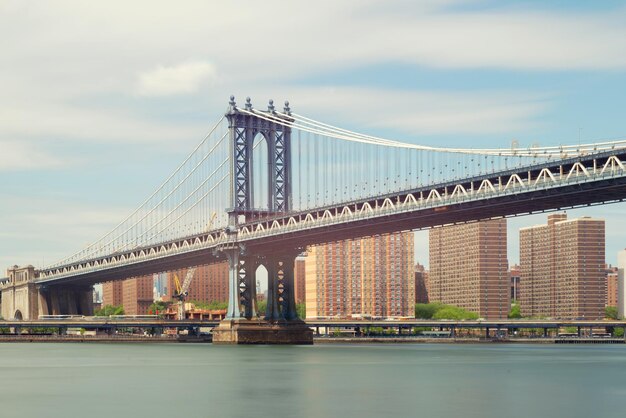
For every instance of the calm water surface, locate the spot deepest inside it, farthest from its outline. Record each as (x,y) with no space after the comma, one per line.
(178,380)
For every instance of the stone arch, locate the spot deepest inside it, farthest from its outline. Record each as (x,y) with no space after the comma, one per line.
(18,315)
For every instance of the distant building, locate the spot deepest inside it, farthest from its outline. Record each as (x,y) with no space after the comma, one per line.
(562,268)
(160,286)
(137,295)
(112,293)
(514,275)
(367,277)
(300,280)
(209,283)
(469,267)
(611,286)
(421,284)
(621,287)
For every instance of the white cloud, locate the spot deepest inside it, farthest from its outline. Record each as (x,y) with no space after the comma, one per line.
(417,112)
(81,71)
(22,155)
(35,229)
(181,79)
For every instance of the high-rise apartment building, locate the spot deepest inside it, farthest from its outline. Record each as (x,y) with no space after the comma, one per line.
(209,283)
(621,286)
(562,268)
(299,280)
(134,294)
(112,293)
(514,275)
(611,286)
(367,277)
(421,284)
(137,295)
(469,267)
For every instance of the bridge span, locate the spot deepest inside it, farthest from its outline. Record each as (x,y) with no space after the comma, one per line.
(574,182)
(320,184)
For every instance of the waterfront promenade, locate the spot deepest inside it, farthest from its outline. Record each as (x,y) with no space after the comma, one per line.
(105,329)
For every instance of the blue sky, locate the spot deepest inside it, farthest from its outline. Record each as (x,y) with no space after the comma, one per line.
(100,102)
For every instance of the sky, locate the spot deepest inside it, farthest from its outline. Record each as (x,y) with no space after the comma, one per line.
(99,102)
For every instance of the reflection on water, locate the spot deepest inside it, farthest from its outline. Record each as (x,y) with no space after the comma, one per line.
(174,380)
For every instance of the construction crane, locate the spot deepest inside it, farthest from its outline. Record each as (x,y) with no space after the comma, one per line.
(182,290)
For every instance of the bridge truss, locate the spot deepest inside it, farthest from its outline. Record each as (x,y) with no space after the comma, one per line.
(280,181)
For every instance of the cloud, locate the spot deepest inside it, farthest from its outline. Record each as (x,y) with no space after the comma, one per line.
(181,79)
(35,227)
(22,155)
(87,74)
(414,113)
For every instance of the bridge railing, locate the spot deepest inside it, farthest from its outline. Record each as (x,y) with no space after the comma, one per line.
(467,190)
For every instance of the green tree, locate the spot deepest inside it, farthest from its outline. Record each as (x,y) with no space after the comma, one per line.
(611,312)
(261,306)
(108,310)
(427,310)
(214,305)
(515,312)
(301,310)
(437,310)
(454,312)
(158,306)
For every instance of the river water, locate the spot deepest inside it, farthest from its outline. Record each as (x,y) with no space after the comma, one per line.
(408,380)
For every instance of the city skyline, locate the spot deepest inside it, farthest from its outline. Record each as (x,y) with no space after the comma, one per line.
(68,181)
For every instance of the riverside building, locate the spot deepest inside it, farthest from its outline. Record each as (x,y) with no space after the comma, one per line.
(209,283)
(134,294)
(562,268)
(469,267)
(621,288)
(360,278)
(299,280)
(611,286)
(421,284)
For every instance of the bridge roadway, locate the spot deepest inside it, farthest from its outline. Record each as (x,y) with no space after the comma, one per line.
(564,184)
(106,323)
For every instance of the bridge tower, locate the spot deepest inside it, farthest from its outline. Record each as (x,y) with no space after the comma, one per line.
(244,127)
(243,324)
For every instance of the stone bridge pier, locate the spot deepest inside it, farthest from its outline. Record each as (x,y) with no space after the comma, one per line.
(23,298)
(279,324)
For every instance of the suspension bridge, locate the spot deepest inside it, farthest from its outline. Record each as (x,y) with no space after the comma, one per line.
(264,184)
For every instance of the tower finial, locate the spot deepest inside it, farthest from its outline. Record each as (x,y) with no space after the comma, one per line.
(232,102)
(270,107)
(248,103)
(287,109)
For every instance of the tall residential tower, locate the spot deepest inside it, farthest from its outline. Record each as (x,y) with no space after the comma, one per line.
(562,268)
(363,277)
(469,267)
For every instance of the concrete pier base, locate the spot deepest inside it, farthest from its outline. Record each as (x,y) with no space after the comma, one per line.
(259,331)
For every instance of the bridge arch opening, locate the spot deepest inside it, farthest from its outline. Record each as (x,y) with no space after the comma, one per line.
(260,170)
(18,315)
(260,281)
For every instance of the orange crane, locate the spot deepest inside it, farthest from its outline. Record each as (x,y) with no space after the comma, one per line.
(182,290)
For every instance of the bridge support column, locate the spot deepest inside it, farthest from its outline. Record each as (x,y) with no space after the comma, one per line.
(280,324)
(248,296)
(233,311)
(274,269)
